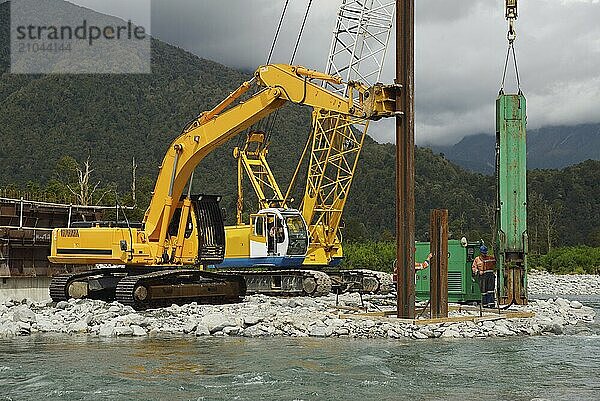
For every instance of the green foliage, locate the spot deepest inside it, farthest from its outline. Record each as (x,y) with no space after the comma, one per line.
(374,255)
(571,197)
(51,123)
(468,196)
(572,260)
(380,255)
(533,262)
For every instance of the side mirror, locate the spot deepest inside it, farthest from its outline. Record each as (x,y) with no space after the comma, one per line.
(224,213)
(123,245)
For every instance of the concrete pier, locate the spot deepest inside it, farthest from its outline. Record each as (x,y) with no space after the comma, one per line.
(17,288)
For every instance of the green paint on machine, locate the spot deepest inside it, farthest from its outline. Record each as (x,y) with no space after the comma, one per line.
(511,202)
(511,218)
(462,286)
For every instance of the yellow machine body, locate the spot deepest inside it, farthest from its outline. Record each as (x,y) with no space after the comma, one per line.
(118,245)
(159,240)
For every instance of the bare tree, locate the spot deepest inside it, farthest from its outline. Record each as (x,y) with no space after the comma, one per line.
(550,213)
(133,170)
(534,217)
(84,191)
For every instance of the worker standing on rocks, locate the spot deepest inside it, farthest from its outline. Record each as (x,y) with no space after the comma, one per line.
(484,266)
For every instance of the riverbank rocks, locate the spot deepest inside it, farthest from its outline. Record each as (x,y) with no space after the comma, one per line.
(262,316)
(544,283)
(22,313)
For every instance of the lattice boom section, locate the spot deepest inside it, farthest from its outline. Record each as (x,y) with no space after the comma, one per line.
(360,40)
(336,144)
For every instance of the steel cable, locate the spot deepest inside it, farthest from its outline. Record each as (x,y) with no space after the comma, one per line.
(511,47)
(301,31)
(277,31)
(271,120)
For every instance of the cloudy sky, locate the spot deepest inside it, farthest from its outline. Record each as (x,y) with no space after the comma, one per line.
(460,49)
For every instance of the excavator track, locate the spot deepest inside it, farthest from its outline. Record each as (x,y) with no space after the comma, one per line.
(86,284)
(361,281)
(179,286)
(315,283)
(286,282)
(142,289)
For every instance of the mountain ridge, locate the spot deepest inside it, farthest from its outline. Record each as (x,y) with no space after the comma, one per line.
(547,148)
(112,118)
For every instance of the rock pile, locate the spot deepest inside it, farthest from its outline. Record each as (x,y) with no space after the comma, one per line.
(267,316)
(570,284)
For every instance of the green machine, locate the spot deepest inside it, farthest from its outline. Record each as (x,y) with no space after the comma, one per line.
(511,204)
(511,201)
(510,218)
(462,287)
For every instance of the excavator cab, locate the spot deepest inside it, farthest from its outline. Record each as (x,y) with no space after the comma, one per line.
(275,237)
(279,237)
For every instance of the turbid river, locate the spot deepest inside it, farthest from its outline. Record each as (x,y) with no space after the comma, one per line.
(565,367)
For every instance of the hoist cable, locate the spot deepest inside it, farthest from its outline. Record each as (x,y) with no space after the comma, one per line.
(516,67)
(301,31)
(277,32)
(269,122)
(272,119)
(511,47)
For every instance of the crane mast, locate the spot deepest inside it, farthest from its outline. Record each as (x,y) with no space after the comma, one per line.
(357,53)
(359,44)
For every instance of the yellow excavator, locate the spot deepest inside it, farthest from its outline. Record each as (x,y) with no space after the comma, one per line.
(184,230)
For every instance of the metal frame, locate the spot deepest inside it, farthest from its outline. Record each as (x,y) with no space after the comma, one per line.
(252,160)
(336,144)
(360,40)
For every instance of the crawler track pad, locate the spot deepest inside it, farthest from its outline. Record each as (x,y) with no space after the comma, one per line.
(177,286)
(144,289)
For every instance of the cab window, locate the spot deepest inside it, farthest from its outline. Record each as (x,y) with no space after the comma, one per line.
(259,224)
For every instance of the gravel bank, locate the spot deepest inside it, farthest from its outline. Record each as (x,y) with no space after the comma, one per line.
(298,317)
(267,316)
(576,284)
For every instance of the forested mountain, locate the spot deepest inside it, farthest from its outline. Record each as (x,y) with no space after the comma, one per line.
(113,118)
(547,147)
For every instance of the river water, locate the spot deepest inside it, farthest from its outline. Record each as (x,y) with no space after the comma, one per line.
(565,367)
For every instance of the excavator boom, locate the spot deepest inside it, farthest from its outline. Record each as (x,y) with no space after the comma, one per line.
(176,230)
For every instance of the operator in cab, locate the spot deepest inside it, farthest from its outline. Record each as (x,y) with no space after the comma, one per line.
(484,267)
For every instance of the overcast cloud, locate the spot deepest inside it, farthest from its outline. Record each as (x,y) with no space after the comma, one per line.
(460,49)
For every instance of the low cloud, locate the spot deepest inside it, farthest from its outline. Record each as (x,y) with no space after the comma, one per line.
(460,50)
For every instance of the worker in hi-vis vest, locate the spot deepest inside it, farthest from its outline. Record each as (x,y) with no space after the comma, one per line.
(484,267)
(424,265)
(418,266)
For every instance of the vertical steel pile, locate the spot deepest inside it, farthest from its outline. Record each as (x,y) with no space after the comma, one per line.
(405,156)
(438,284)
(511,202)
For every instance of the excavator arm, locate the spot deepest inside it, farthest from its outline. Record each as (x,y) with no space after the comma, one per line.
(276,84)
